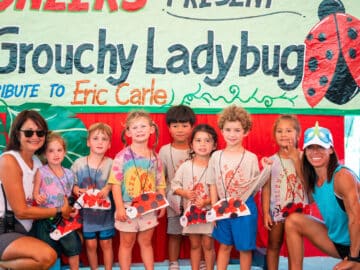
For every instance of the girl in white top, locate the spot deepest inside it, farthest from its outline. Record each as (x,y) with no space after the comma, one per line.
(190,183)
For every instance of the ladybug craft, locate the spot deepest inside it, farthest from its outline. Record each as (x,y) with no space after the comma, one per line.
(146,203)
(295,208)
(193,215)
(90,199)
(65,226)
(332,56)
(227,208)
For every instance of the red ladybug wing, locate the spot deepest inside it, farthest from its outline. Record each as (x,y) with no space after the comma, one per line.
(350,43)
(321,55)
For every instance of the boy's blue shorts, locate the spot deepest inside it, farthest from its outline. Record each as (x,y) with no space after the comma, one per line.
(239,232)
(102,235)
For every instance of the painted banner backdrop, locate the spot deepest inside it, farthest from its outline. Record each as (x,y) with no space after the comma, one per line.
(299,56)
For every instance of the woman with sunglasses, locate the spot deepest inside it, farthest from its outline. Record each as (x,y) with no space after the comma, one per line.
(18,165)
(335,189)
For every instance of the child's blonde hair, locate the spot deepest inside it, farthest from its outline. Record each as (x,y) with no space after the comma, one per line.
(135,115)
(292,118)
(102,127)
(235,113)
(53,136)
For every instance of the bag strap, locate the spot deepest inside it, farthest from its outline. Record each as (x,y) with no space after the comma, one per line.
(5,201)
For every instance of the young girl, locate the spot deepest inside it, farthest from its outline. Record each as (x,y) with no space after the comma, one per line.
(232,171)
(136,169)
(189,183)
(93,171)
(284,188)
(52,183)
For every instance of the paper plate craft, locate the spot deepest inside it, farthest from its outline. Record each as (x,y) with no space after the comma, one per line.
(146,203)
(90,199)
(227,208)
(295,208)
(174,202)
(66,226)
(193,215)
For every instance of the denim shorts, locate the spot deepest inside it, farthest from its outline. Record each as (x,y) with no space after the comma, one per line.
(102,235)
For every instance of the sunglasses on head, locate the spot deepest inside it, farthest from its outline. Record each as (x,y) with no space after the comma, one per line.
(29,133)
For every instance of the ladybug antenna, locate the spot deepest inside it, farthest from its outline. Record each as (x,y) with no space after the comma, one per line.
(328,7)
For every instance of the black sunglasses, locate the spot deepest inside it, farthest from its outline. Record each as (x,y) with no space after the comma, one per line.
(29,133)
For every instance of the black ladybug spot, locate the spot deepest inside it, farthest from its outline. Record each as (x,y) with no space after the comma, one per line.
(289,205)
(225,204)
(195,216)
(189,218)
(140,209)
(323,80)
(202,216)
(192,208)
(144,197)
(237,203)
(348,19)
(154,205)
(159,197)
(233,215)
(313,64)
(311,92)
(310,37)
(299,210)
(285,214)
(352,53)
(322,37)
(329,54)
(352,33)
(221,210)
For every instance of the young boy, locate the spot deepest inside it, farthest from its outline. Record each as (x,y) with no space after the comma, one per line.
(180,120)
(232,171)
(92,172)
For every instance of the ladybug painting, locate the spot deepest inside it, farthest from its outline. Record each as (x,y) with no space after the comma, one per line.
(332,56)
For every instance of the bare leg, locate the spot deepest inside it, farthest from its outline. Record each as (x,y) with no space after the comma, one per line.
(276,237)
(195,251)
(74,262)
(146,249)
(223,257)
(127,241)
(298,226)
(174,244)
(106,247)
(209,251)
(245,260)
(28,253)
(91,251)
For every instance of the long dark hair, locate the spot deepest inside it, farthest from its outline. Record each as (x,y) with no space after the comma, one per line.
(20,119)
(309,173)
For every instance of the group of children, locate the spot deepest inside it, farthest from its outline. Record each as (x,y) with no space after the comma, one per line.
(189,171)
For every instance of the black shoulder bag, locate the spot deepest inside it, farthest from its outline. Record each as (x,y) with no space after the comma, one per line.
(7,222)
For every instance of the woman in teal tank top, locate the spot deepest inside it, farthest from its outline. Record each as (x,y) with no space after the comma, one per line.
(335,189)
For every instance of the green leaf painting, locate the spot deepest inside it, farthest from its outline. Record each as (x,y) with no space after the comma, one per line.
(59,120)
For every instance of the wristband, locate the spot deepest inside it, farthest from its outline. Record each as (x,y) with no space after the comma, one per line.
(353,259)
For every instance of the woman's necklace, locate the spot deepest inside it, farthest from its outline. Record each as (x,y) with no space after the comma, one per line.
(201,176)
(59,178)
(142,184)
(93,180)
(233,175)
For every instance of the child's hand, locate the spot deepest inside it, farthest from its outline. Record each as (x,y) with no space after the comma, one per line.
(268,223)
(190,195)
(78,191)
(120,214)
(266,161)
(161,212)
(40,199)
(103,193)
(74,213)
(199,203)
(293,152)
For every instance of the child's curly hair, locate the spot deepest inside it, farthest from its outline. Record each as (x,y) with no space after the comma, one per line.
(235,113)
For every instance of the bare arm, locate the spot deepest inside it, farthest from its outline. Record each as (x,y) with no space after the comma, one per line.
(346,186)
(213,194)
(120,213)
(39,198)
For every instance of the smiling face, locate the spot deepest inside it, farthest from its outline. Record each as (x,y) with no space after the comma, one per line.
(286,134)
(140,129)
(34,142)
(233,133)
(318,156)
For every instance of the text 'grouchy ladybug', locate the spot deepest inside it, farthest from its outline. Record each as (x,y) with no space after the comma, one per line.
(332,58)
